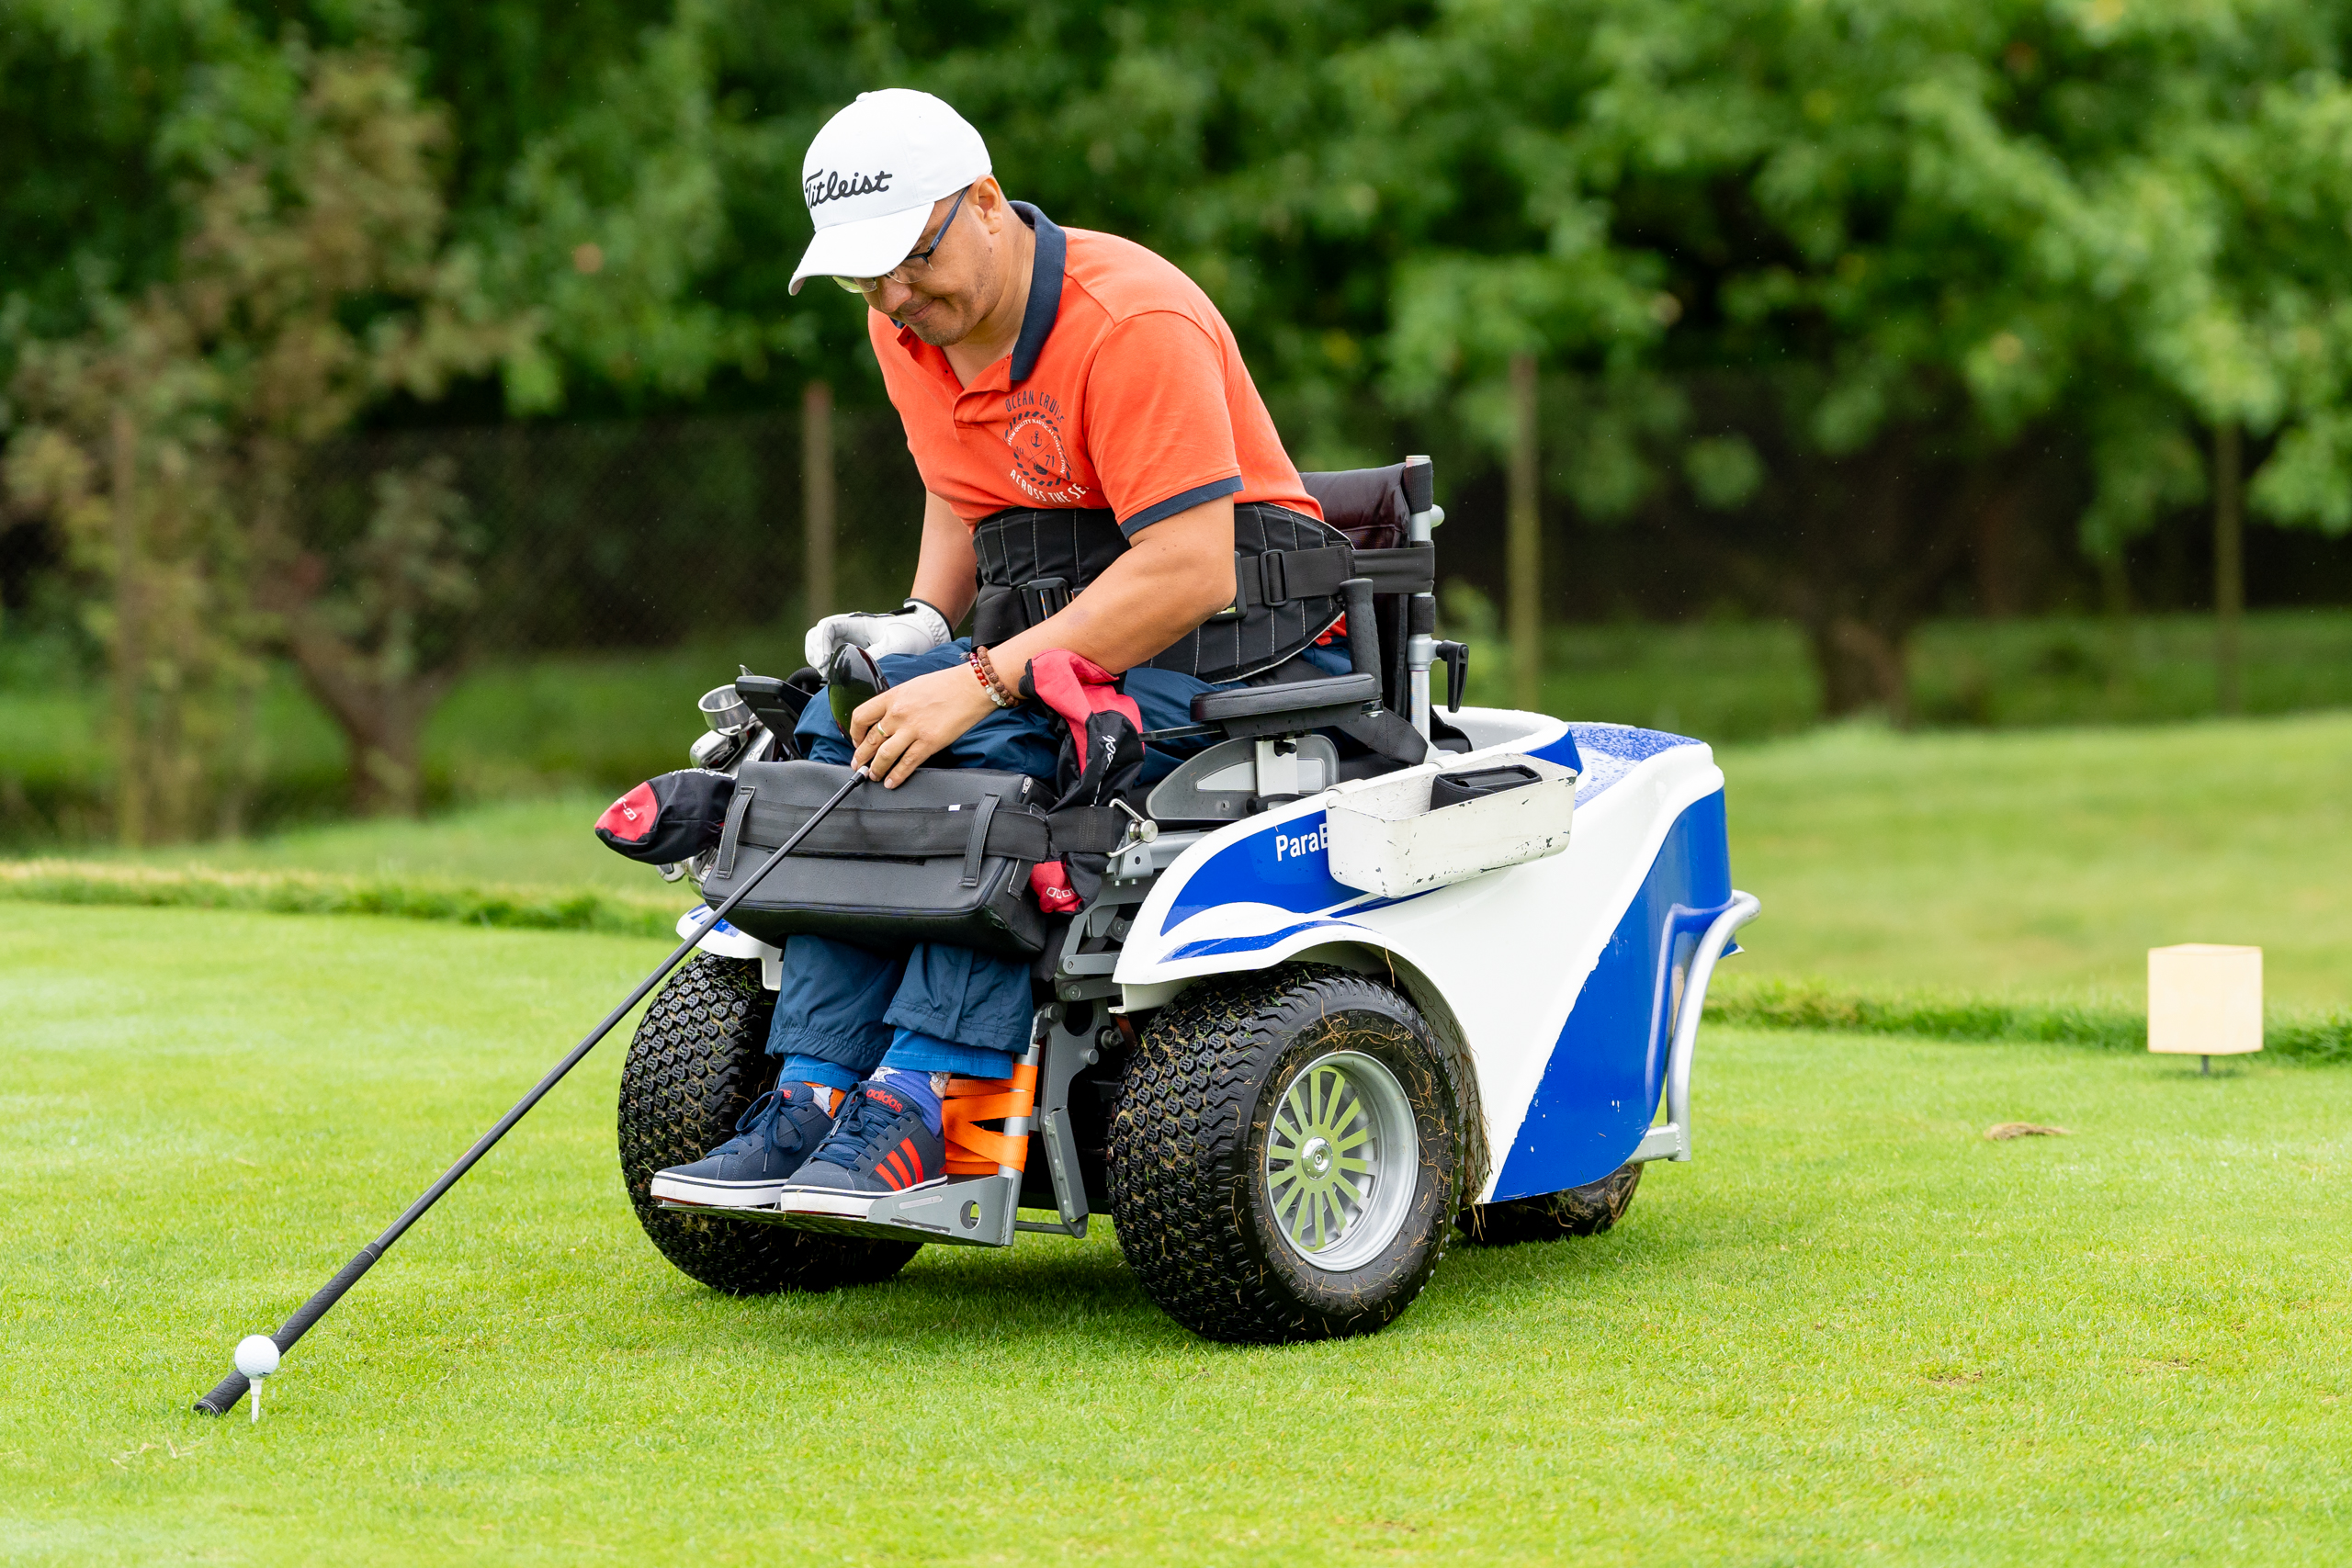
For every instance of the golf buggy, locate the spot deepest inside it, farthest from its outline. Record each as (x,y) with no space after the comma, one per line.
(1328,996)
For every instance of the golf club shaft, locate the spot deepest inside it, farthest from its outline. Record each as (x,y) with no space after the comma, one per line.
(224,1397)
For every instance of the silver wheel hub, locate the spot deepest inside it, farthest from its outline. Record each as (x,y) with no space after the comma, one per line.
(1343,1159)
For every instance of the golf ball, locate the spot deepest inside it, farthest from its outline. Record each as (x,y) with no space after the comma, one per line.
(257,1354)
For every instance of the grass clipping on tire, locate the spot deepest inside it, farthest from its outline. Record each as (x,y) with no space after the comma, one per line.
(1189,1192)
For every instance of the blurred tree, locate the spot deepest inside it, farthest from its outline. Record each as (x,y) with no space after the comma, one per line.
(1885,258)
(127,458)
(380,642)
(1836,292)
(314,278)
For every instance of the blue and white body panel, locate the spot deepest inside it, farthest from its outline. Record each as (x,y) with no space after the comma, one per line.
(1561,976)
(724,940)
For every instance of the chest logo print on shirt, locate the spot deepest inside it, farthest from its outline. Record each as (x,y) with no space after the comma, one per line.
(1040,463)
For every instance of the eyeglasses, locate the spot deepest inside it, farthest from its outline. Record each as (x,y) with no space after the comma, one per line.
(897,273)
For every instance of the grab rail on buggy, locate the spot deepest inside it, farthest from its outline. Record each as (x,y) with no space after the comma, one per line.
(1670,1139)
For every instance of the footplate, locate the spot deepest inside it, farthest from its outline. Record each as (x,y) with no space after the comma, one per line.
(974,1209)
(969,1210)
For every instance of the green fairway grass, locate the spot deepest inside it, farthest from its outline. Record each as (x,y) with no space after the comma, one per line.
(548,840)
(1746,680)
(1851,1329)
(2048,863)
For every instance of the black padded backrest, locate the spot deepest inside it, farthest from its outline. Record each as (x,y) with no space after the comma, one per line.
(1366,504)
(1374,508)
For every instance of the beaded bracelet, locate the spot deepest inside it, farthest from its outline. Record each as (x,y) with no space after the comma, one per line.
(985,673)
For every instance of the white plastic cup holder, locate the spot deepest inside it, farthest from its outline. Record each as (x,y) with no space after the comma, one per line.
(1385,839)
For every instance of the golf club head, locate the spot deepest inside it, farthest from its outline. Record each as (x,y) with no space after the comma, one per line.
(851,679)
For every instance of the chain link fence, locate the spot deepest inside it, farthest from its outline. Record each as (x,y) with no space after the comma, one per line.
(640,534)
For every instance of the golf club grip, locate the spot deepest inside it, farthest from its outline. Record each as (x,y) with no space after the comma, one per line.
(225,1397)
(309,1312)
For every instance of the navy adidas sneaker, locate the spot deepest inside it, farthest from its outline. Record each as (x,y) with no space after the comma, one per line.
(773,1139)
(878,1145)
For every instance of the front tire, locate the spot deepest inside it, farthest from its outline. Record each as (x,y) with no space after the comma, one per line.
(1285,1155)
(698,1060)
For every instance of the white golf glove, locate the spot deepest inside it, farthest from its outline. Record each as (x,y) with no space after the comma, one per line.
(917,628)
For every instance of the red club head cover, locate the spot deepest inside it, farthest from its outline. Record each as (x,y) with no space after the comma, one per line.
(629,819)
(670,819)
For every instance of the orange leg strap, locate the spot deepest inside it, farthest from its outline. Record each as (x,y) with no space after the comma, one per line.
(975,1150)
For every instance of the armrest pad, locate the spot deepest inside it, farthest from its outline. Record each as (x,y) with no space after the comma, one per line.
(1293,696)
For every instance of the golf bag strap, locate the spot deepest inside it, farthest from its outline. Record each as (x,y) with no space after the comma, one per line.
(738,810)
(1087,830)
(976,849)
(881,833)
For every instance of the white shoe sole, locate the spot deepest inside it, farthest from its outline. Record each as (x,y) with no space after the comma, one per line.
(833,1201)
(705,1193)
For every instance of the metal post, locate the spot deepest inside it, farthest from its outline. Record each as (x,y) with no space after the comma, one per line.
(817,496)
(2229,564)
(130,624)
(1526,547)
(1423,514)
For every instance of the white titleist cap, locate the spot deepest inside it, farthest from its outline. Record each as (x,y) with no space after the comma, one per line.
(871,175)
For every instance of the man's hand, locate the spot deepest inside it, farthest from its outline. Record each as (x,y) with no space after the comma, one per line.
(896,732)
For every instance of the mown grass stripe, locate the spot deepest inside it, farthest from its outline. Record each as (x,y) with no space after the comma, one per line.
(1770,1004)
(315,893)
(1781,1004)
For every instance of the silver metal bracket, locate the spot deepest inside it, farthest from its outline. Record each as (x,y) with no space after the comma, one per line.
(1066,1054)
(1277,766)
(1076,1229)
(1670,1139)
(1664,1141)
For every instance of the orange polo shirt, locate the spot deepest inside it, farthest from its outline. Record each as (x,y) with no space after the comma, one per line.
(1124,390)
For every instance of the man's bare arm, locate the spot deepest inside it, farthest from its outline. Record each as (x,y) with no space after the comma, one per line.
(945,570)
(1174,575)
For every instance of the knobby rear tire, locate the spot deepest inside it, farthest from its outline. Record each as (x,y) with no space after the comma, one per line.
(699,1059)
(1580,1211)
(1188,1178)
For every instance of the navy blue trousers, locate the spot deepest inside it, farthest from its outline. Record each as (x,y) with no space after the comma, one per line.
(841,1011)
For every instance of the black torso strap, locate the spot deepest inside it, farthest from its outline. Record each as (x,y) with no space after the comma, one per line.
(1287,571)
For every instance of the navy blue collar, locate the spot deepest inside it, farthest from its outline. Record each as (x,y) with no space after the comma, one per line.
(1044,292)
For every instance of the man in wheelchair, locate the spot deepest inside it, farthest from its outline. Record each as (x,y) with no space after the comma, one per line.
(1102,485)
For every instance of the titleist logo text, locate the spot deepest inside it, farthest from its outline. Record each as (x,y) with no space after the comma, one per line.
(829,186)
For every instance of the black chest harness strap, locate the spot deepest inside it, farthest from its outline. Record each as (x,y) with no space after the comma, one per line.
(1287,571)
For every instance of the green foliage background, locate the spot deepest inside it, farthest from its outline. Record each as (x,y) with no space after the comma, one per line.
(2125,213)
(1836,300)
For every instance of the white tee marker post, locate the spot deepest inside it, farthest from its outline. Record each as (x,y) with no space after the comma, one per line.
(2205,1000)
